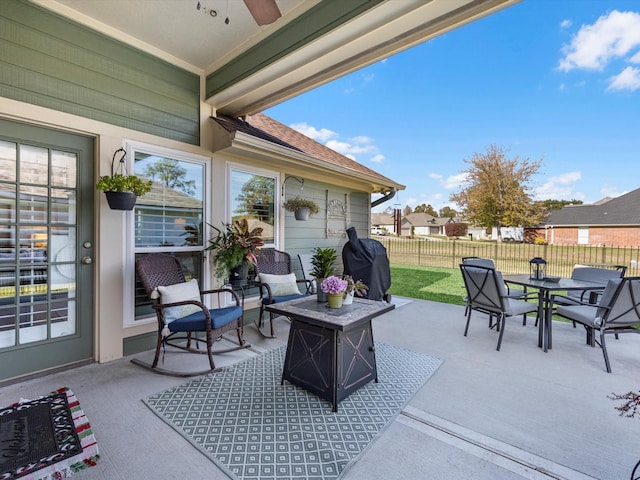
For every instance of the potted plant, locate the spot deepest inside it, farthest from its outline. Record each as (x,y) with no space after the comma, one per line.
(323,261)
(234,249)
(334,287)
(354,287)
(123,190)
(301,207)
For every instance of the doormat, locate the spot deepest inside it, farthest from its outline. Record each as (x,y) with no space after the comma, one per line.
(46,438)
(254,428)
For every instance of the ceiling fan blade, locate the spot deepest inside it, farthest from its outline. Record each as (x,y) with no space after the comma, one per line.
(263,12)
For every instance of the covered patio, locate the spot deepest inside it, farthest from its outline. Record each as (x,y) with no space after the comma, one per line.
(516,413)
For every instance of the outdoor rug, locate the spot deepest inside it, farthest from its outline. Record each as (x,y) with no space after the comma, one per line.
(46,438)
(254,428)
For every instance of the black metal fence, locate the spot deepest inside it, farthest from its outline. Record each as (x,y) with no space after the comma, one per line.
(510,258)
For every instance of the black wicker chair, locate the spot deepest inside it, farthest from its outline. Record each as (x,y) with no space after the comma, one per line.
(270,261)
(157,273)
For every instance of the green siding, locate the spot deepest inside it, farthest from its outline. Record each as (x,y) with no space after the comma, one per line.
(303,237)
(53,62)
(318,21)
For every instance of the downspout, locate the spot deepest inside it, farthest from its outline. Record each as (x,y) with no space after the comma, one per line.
(388,196)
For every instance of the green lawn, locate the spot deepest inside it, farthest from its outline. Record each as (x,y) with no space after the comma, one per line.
(428,283)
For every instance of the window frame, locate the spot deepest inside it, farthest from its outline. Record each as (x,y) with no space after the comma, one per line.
(231,167)
(131,147)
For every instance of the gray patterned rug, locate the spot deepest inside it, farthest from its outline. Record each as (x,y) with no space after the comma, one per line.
(254,428)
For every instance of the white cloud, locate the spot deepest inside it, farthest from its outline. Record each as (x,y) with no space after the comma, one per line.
(453,182)
(560,187)
(635,58)
(609,191)
(435,176)
(566,23)
(612,36)
(628,79)
(321,135)
(350,148)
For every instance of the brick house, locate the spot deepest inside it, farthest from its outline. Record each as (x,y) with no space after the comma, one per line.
(613,222)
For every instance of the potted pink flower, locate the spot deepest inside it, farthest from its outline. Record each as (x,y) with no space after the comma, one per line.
(334,287)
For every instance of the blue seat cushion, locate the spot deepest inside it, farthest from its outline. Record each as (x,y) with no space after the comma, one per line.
(284,298)
(195,322)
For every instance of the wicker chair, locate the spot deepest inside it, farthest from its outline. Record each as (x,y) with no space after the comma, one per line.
(270,261)
(158,273)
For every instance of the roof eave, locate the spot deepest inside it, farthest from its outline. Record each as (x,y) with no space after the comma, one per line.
(246,145)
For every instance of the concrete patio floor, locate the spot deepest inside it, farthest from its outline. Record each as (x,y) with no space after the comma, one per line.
(518,413)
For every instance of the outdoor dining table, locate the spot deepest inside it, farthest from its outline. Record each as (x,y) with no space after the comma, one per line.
(546,288)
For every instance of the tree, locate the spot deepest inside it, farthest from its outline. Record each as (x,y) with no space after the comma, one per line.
(456,229)
(447,212)
(171,175)
(549,205)
(424,208)
(497,191)
(406,211)
(256,199)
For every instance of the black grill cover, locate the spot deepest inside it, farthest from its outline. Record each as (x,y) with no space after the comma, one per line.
(366,259)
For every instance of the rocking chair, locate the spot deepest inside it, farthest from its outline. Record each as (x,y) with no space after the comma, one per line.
(181,313)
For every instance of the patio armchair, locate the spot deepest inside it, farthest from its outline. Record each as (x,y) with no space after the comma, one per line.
(277,283)
(182,314)
(511,292)
(487,293)
(589,273)
(618,311)
(306,266)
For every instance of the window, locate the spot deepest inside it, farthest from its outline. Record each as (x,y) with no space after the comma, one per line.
(171,216)
(252,196)
(583,235)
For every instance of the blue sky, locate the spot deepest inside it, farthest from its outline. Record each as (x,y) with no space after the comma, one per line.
(557,80)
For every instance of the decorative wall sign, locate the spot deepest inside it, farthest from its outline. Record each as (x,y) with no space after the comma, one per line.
(336,216)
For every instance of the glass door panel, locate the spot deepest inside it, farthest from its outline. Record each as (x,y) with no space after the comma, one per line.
(39,265)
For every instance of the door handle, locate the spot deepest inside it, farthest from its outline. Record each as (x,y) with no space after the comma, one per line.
(87,260)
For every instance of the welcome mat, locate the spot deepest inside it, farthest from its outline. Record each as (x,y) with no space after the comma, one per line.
(46,438)
(254,428)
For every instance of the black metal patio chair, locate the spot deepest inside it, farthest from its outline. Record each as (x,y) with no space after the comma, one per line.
(487,293)
(617,312)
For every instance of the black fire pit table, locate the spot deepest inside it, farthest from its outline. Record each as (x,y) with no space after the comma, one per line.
(330,351)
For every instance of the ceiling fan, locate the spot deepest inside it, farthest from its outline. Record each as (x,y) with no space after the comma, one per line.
(263,12)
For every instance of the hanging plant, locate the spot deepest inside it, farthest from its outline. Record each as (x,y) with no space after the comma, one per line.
(302,207)
(121,189)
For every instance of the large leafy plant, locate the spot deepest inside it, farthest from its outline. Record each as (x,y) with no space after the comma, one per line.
(323,261)
(234,244)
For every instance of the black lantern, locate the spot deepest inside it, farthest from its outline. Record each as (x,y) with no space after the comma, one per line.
(538,266)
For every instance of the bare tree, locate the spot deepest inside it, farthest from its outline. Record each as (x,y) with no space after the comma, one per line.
(497,191)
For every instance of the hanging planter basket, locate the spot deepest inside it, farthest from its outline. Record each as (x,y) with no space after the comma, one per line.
(121,200)
(302,214)
(122,189)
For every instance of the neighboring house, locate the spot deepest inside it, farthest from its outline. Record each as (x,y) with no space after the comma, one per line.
(81,81)
(614,222)
(419,224)
(383,220)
